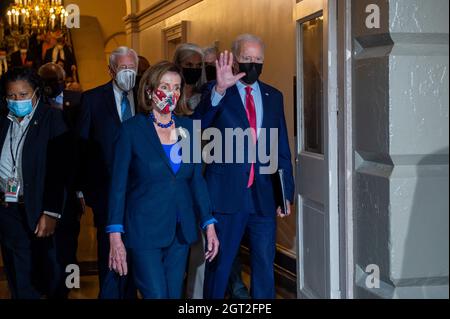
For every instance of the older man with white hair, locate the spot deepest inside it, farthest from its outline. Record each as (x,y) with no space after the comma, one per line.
(103,111)
(242,194)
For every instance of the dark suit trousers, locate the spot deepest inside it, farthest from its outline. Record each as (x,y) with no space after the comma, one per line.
(158,273)
(23,254)
(66,240)
(261,231)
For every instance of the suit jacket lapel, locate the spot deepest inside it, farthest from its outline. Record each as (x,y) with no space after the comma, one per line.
(110,100)
(265,96)
(5,124)
(150,131)
(32,130)
(178,125)
(29,145)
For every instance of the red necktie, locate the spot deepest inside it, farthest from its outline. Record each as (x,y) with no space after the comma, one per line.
(24,58)
(251,115)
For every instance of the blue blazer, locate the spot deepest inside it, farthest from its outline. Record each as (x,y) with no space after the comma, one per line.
(227,182)
(98,127)
(145,194)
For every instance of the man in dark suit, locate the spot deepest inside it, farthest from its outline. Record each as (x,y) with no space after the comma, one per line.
(242,194)
(102,113)
(69,102)
(62,52)
(22,57)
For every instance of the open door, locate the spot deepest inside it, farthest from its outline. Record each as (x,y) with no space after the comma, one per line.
(317,157)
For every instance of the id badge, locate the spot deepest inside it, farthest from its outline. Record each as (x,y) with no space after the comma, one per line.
(12,190)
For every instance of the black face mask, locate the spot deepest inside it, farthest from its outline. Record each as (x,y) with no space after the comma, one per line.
(252,71)
(53,88)
(191,75)
(211,72)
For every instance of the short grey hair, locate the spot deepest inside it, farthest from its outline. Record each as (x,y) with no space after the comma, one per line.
(122,51)
(186,50)
(237,43)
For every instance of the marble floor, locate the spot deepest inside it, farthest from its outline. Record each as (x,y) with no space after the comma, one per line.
(87,258)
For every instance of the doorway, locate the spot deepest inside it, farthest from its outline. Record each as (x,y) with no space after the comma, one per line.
(317,151)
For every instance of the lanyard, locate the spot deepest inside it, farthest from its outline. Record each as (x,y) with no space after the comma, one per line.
(14,157)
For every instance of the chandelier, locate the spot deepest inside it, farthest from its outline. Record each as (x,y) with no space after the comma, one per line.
(36,15)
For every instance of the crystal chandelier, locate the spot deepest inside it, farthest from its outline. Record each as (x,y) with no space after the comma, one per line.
(36,15)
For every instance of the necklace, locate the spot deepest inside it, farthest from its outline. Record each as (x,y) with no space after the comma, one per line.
(153,118)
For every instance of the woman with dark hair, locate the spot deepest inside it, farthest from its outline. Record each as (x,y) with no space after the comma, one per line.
(158,195)
(31,183)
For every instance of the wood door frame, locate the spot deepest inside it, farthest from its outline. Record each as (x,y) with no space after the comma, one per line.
(345,136)
(176,31)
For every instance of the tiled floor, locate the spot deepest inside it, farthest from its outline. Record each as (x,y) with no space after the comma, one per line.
(87,255)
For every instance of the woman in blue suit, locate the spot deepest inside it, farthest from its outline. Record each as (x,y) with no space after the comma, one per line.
(158,195)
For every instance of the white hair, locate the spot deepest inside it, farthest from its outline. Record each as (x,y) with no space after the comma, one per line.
(237,43)
(186,50)
(122,51)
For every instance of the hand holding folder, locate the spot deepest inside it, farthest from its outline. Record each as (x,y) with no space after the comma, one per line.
(280,193)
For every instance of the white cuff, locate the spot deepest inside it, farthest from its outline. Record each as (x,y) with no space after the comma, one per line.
(54,215)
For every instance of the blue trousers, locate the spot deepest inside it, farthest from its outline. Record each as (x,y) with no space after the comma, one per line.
(158,273)
(261,231)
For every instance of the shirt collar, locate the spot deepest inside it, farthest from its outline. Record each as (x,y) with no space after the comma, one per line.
(116,88)
(241,86)
(119,91)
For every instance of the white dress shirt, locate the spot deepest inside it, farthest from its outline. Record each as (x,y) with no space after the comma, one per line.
(58,52)
(118,96)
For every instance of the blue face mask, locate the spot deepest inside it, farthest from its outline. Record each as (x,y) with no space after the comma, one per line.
(58,100)
(21,108)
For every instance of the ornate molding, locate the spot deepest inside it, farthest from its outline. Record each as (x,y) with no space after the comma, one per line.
(156,13)
(174,32)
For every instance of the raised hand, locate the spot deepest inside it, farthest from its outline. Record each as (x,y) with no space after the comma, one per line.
(225,76)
